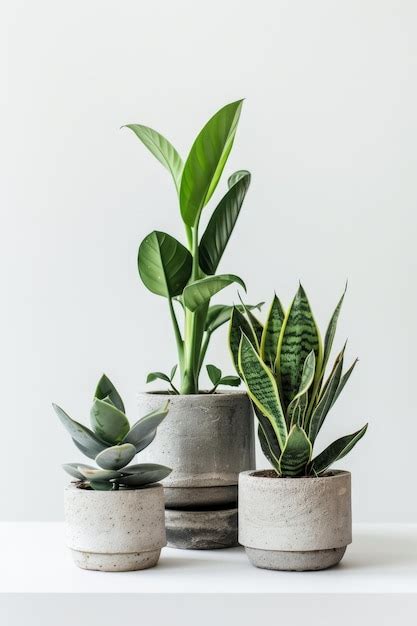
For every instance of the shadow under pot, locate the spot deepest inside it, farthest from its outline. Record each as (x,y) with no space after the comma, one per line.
(296,524)
(115,531)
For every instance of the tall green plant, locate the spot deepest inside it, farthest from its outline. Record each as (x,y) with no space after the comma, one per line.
(187,274)
(283,364)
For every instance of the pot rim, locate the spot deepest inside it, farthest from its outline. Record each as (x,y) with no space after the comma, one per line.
(251,475)
(204,394)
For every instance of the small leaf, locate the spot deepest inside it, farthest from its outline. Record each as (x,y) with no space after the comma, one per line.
(272,329)
(296,454)
(108,422)
(106,389)
(87,440)
(173,371)
(144,474)
(145,428)
(231,381)
(200,291)
(155,375)
(219,314)
(336,451)
(116,457)
(98,485)
(91,473)
(214,374)
(72,470)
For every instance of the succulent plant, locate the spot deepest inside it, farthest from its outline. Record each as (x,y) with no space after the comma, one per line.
(113,443)
(283,365)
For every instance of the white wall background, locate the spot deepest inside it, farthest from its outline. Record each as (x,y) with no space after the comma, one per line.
(329,131)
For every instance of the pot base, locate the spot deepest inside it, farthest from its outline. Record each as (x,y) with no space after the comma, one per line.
(119,562)
(295,561)
(194,497)
(201,530)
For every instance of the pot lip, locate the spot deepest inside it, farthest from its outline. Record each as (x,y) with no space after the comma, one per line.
(250,475)
(122,491)
(233,393)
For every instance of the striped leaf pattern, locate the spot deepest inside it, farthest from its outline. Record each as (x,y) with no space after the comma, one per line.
(296,453)
(326,400)
(269,442)
(270,335)
(336,451)
(239,325)
(331,331)
(298,405)
(219,314)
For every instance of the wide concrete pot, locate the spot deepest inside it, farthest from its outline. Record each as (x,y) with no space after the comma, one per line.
(207,439)
(295,523)
(115,531)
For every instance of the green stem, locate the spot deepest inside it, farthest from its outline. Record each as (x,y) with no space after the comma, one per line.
(203,351)
(190,377)
(178,337)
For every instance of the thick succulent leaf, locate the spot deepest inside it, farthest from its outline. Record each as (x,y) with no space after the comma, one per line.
(146,441)
(91,452)
(91,473)
(331,331)
(106,389)
(222,223)
(206,161)
(144,474)
(214,373)
(162,149)
(299,335)
(108,422)
(262,388)
(116,457)
(344,380)
(296,454)
(239,325)
(270,335)
(90,444)
(157,375)
(326,401)
(231,381)
(164,264)
(145,428)
(298,405)
(72,470)
(101,485)
(219,314)
(336,451)
(200,291)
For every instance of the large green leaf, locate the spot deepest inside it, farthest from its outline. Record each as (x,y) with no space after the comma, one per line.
(162,149)
(299,335)
(90,444)
(144,429)
(296,454)
(116,457)
(222,223)
(200,291)
(327,399)
(219,314)
(331,331)
(106,389)
(262,388)
(270,335)
(108,422)
(336,451)
(239,325)
(206,161)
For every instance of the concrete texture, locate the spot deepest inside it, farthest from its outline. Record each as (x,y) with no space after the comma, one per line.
(194,497)
(207,439)
(115,530)
(201,530)
(298,515)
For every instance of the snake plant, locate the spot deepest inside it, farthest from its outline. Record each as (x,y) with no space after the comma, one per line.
(186,274)
(113,443)
(283,365)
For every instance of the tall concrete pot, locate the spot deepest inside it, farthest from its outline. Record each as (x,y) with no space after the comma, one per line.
(295,523)
(115,531)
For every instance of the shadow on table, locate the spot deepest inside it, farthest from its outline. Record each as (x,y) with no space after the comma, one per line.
(381,549)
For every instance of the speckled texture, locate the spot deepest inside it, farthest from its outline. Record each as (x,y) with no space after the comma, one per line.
(126,527)
(194,497)
(295,515)
(207,439)
(295,561)
(201,530)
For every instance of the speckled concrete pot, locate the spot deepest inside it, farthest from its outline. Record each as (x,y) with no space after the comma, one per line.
(201,530)
(115,531)
(295,523)
(207,439)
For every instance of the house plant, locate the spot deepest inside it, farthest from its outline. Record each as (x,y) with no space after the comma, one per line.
(296,516)
(114,512)
(208,437)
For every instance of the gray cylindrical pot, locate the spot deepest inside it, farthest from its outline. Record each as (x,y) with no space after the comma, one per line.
(115,531)
(207,439)
(295,523)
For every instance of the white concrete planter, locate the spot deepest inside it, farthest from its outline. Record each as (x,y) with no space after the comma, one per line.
(115,531)
(295,523)
(207,439)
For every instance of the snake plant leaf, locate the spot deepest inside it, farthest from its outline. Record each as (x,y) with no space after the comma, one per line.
(162,149)
(219,314)
(116,457)
(239,325)
(254,323)
(299,335)
(272,329)
(222,222)
(200,291)
(296,453)
(262,388)
(336,451)
(298,405)
(331,331)
(205,163)
(230,381)
(90,444)
(106,389)
(344,380)
(268,439)
(327,399)
(108,422)
(72,470)
(155,375)
(91,473)
(101,485)
(145,428)
(164,264)
(214,374)
(144,474)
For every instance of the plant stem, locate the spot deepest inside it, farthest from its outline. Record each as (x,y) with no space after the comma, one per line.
(190,378)
(203,351)
(178,337)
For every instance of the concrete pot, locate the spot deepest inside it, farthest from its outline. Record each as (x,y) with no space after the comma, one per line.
(207,439)
(295,523)
(115,531)
(201,530)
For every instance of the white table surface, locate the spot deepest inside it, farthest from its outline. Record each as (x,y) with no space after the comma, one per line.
(381,560)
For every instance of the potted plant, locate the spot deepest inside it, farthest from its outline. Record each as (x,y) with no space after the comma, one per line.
(296,516)
(208,437)
(114,512)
